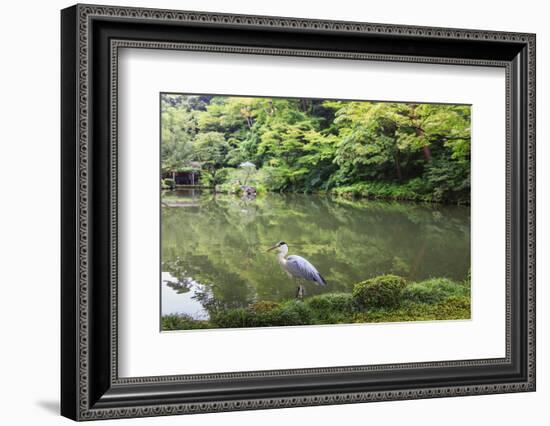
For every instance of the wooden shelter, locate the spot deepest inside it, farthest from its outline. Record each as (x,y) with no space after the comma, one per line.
(188,176)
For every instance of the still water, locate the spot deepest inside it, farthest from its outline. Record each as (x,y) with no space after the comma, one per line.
(214,247)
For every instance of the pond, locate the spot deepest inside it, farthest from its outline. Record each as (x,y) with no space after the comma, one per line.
(214,246)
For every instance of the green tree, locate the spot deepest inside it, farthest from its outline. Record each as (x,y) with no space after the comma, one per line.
(211,149)
(178,128)
(399,141)
(313,144)
(369,145)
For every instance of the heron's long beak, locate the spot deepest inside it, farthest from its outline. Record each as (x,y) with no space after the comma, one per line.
(272,248)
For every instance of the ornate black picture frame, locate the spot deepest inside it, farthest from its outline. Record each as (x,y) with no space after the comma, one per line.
(91,36)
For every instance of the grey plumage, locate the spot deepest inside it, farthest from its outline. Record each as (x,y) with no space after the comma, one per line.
(302,268)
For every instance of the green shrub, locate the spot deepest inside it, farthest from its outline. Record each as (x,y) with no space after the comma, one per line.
(452,308)
(291,312)
(167,183)
(231,318)
(182,322)
(379,190)
(416,189)
(340,302)
(214,176)
(419,186)
(260,188)
(434,290)
(228,188)
(263,314)
(380,292)
(450,180)
(332,308)
(263,306)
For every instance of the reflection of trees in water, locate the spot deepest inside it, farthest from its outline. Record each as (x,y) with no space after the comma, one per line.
(181,281)
(179,288)
(222,242)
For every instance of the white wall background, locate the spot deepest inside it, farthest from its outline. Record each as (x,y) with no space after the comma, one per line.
(29,213)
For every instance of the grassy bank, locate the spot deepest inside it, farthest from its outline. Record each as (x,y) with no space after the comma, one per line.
(369,190)
(413,190)
(417,189)
(387,298)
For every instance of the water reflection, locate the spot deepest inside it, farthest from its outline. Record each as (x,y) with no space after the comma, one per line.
(214,246)
(183,298)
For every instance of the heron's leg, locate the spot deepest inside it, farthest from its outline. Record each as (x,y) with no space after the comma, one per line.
(300,291)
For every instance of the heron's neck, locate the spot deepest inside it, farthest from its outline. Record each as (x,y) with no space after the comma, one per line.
(282,257)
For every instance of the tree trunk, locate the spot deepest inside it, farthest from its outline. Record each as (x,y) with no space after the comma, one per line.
(425,149)
(427,153)
(420,133)
(398,166)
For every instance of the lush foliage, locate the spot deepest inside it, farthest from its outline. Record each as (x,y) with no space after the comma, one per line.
(410,151)
(387,298)
(453,308)
(383,291)
(434,290)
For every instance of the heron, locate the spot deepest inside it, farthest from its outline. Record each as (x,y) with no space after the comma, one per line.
(297,267)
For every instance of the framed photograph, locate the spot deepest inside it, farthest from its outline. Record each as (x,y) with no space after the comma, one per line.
(263,212)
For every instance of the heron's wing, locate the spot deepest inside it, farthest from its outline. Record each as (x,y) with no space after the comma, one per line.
(301,268)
